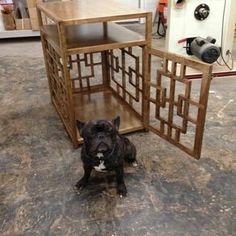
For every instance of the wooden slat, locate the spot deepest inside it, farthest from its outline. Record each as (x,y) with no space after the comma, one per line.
(195,64)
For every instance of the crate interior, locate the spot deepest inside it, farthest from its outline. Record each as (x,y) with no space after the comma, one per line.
(105,104)
(107,84)
(103,84)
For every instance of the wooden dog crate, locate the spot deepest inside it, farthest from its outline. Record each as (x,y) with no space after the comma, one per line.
(98,69)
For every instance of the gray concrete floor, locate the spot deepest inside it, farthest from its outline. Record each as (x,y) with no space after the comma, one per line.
(168,194)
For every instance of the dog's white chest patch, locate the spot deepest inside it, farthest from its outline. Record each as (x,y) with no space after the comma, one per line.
(101,167)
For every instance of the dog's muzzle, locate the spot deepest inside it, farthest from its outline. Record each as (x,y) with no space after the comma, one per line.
(102,147)
(104,151)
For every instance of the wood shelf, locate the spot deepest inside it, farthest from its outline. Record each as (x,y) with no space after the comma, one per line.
(106,105)
(92,38)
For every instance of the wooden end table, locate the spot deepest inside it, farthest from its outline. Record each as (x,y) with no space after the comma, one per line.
(98,69)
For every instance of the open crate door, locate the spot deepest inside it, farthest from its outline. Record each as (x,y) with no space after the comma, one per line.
(177,105)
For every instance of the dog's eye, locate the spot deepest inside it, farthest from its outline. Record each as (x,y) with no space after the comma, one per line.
(110,129)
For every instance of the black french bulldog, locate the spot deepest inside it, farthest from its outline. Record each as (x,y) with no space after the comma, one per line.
(104,149)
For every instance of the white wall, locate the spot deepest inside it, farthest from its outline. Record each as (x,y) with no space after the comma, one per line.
(149,5)
(133,3)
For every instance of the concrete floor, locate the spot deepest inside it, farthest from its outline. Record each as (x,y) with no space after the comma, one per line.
(168,194)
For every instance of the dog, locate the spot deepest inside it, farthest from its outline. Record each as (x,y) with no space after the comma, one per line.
(104,149)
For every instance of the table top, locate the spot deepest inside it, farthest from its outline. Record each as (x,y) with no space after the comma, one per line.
(89,11)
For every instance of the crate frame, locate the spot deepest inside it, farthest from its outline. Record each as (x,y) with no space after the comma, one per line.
(71,46)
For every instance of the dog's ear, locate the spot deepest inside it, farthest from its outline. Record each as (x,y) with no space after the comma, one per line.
(80,126)
(116,122)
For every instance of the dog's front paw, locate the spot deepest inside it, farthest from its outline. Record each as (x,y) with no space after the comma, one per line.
(135,164)
(81,184)
(121,190)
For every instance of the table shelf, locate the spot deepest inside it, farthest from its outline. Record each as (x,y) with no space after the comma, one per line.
(106,105)
(93,37)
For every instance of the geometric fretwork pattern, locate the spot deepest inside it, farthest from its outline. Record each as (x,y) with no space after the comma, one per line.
(126,75)
(162,100)
(83,68)
(177,104)
(57,84)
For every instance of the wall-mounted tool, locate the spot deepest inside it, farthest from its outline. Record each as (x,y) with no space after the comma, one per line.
(204,49)
(202,11)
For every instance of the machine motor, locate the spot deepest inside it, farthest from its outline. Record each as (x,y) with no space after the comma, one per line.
(204,49)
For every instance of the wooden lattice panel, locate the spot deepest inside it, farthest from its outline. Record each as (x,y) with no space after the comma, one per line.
(58,84)
(126,77)
(177,105)
(84,70)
